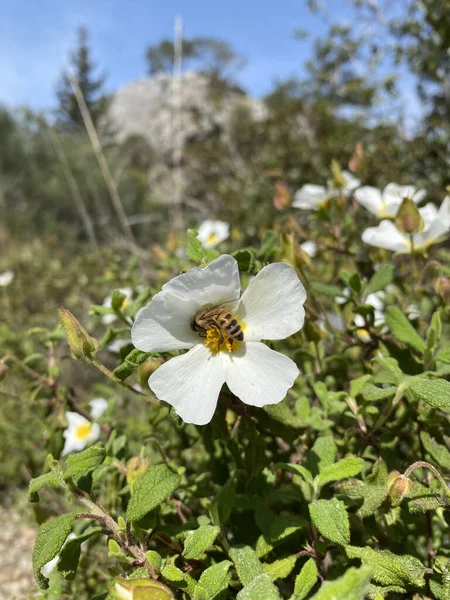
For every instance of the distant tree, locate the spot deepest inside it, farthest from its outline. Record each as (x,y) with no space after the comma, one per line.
(211,56)
(83,68)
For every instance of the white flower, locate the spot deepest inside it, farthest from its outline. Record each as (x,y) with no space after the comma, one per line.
(346,294)
(6,278)
(413,312)
(116,346)
(385,204)
(377,301)
(48,567)
(211,233)
(312,196)
(108,319)
(98,407)
(271,308)
(363,335)
(437,225)
(79,433)
(310,248)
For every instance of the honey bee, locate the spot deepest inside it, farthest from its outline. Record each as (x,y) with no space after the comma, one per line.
(219,318)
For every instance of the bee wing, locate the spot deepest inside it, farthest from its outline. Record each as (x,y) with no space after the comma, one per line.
(229,306)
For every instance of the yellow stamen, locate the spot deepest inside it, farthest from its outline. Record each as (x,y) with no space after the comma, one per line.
(82,431)
(218,341)
(212,239)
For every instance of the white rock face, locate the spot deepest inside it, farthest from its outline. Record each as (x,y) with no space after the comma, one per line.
(146,108)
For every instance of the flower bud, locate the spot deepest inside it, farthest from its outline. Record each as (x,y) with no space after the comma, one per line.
(408,219)
(338,179)
(142,589)
(136,467)
(399,487)
(81,343)
(442,287)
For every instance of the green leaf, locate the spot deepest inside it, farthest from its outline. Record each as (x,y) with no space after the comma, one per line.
(380,279)
(195,250)
(327,290)
(36,484)
(284,526)
(154,559)
(296,470)
(50,539)
(150,490)
(179,579)
(402,329)
(305,580)
(246,261)
(372,491)
(389,568)
(352,280)
(435,392)
(353,585)
(117,300)
(142,589)
(70,554)
(357,385)
(444,356)
(247,564)
(322,454)
(372,393)
(199,540)
(261,588)
(223,503)
(83,462)
(331,519)
(132,362)
(344,468)
(439,452)
(281,568)
(433,336)
(214,580)
(268,243)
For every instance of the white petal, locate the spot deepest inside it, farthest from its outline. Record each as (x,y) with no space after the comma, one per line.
(191,383)
(370,198)
(6,278)
(310,196)
(359,321)
(72,443)
(429,213)
(94,434)
(258,375)
(310,248)
(98,407)
(351,182)
(108,319)
(217,282)
(438,228)
(48,567)
(271,308)
(386,235)
(211,233)
(74,419)
(394,193)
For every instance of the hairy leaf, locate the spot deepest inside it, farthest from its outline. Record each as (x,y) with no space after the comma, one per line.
(402,329)
(353,585)
(305,580)
(331,519)
(344,468)
(435,392)
(50,539)
(199,540)
(150,490)
(260,588)
(247,564)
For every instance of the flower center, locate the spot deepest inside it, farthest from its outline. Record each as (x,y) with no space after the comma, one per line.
(82,431)
(212,239)
(217,340)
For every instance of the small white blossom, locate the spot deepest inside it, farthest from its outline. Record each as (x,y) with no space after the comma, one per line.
(346,294)
(6,278)
(79,433)
(437,225)
(271,308)
(98,407)
(312,197)
(385,205)
(108,319)
(310,248)
(377,301)
(413,312)
(212,233)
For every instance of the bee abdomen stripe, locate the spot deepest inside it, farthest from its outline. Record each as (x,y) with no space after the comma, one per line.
(232,325)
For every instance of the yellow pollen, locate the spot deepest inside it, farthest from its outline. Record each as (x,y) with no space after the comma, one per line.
(82,431)
(218,341)
(212,239)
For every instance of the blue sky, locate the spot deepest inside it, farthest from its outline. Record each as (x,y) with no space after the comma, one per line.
(36,36)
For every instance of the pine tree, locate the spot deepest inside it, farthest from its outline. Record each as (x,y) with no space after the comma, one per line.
(82,67)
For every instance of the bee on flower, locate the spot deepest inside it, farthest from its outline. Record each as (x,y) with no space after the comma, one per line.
(202,311)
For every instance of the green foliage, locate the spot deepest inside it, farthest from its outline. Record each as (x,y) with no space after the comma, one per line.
(50,539)
(402,329)
(150,490)
(331,519)
(305,580)
(353,585)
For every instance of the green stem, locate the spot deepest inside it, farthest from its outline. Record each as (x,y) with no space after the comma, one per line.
(130,388)
(421,464)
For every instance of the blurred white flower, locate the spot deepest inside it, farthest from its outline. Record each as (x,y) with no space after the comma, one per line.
(79,433)
(312,197)
(437,225)
(6,278)
(108,319)
(363,335)
(212,233)
(48,567)
(334,319)
(346,293)
(310,248)
(98,407)
(116,346)
(413,312)
(377,301)
(271,308)
(385,204)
